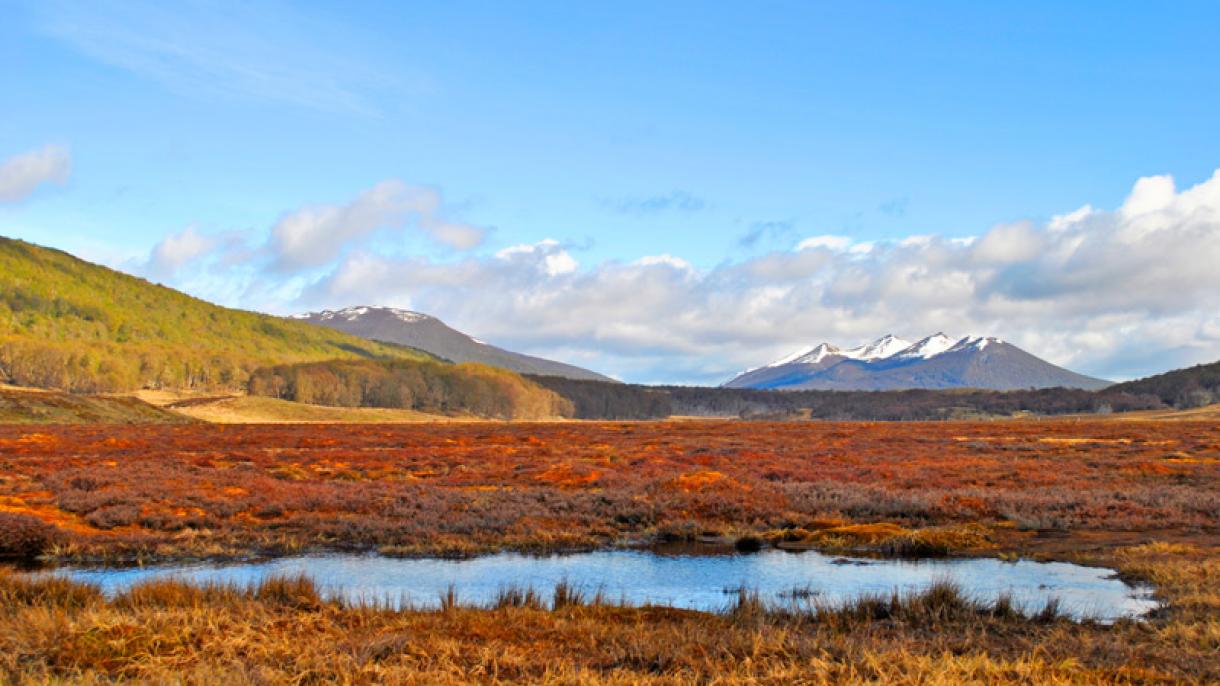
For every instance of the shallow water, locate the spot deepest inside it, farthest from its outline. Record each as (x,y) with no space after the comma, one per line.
(701,582)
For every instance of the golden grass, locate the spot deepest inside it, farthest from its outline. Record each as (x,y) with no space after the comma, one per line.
(887,538)
(242,409)
(283,632)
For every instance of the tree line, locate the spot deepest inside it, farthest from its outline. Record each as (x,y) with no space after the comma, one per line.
(600,400)
(425,386)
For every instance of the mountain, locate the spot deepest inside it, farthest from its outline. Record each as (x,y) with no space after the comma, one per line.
(71,325)
(934,362)
(808,361)
(431,335)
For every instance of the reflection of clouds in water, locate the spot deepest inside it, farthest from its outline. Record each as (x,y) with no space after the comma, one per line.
(696,582)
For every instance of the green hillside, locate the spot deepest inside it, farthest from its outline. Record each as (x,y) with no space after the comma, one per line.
(72,325)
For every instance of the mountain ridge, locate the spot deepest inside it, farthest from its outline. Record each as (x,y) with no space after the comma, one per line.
(429,334)
(934,362)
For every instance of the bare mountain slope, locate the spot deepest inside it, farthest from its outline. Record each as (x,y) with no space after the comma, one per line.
(430,334)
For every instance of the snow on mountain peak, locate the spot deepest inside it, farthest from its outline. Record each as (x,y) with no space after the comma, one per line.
(812,355)
(354,313)
(976,342)
(409,316)
(888,347)
(879,349)
(931,346)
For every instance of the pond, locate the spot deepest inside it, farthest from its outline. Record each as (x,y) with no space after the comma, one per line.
(700,582)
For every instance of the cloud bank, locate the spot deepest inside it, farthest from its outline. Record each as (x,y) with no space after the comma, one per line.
(22,174)
(1116,293)
(313,236)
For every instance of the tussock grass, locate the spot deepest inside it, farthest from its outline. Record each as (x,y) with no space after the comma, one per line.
(942,603)
(21,590)
(283,631)
(889,539)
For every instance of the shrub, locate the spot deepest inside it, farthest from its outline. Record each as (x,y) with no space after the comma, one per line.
(748,544)
(110,516)
(24,536)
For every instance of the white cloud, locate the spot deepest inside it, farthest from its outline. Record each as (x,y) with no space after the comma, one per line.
(1009,243)
(1115,293)
(177,249)
(827,242)
(1150,194)
(546,256)
(1119,293)
(22,174)
(665,259)
(318,234)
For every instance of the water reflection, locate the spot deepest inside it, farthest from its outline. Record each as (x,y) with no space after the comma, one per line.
(686,581)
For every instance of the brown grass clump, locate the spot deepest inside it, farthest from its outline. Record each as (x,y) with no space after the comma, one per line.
(889,539)
(21,590)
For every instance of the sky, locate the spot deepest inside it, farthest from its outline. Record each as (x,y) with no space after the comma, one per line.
(663,192)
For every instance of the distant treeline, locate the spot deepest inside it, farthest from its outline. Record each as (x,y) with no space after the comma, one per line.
(426,386)
(901,405)
(1183,388)
(605,400)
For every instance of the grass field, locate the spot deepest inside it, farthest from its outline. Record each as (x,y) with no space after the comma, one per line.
(244,409)
(1141,497)
(216,490)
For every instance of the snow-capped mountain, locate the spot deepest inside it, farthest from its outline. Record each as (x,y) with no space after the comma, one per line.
(431,335)
(931,346)
(882,347)
(891,363)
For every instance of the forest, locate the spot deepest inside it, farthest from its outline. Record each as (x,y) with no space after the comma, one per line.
(433,387)
(598,400)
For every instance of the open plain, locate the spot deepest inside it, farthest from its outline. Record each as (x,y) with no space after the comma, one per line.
(1140,497)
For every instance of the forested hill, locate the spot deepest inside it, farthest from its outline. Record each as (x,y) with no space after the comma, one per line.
(68,324)
(1182,388)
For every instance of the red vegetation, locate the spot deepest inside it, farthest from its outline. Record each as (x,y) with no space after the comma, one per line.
(216,490)
(24,536)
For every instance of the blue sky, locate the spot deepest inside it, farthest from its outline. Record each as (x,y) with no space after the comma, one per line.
(634,186)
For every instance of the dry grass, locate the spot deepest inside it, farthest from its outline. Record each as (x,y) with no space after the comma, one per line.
(887,538)
(463,488)
(283,632)
(242,409)
(32,406)
(1086,494)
